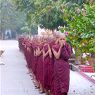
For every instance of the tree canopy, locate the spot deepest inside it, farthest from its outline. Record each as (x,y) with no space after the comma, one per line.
(10,18)
(78,17)
(81,27)
(46,13)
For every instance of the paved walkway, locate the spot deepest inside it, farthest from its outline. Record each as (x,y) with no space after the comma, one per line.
(14,79)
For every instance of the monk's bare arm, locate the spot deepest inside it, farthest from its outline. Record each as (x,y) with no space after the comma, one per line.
(57,54)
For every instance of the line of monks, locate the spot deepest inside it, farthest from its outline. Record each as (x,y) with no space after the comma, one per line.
(47,60)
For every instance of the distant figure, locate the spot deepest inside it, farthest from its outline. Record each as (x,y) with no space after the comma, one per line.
(8,34)
(1,62)
(1,52)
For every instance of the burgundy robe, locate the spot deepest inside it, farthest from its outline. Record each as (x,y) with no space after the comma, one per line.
(48,69)
(61,71)
(39,68)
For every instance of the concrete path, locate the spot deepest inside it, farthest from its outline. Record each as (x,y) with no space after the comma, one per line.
(14,79)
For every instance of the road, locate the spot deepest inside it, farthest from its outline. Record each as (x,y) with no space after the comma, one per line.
(15,80)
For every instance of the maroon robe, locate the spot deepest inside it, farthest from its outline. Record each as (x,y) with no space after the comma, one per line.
(48,67)
(29,54)
(61,71)
(39,68)
(33,59)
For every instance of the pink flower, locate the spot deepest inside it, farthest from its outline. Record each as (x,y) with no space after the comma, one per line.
(66,33)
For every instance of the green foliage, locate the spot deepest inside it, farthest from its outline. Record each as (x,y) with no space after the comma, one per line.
(81,27)
(10,18)
(46,13)
(77,15)
(25,29)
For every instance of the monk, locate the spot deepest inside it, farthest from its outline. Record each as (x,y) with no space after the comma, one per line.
(62,51)
(47,60)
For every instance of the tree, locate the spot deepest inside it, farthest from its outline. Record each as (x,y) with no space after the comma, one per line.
(9,17)
(46,13)
(77,16)
(81,27)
